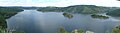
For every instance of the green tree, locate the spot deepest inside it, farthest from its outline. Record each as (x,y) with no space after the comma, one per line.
(62,30)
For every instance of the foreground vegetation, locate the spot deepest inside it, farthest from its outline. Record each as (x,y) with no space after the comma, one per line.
(116,30)
(17,32)
(62,30)
(6,13)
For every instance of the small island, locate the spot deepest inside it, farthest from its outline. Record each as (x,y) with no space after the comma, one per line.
(99,16)
(68,15)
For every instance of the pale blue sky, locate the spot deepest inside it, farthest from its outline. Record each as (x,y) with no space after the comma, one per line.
(59,3)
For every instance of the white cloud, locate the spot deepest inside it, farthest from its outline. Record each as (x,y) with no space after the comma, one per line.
(59,3)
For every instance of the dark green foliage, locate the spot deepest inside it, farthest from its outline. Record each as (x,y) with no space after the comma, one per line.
(116,30)
(6,13)
(10,9)
(79,31)
(50,9)
(3,23)
(114,12)
(17,32)
(68,15)
(62,30)
(2,30)
(99,16)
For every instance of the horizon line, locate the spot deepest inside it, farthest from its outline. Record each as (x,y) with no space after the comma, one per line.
(51,6)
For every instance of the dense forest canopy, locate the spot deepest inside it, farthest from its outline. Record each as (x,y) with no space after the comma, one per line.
(87,9)
(5,13)
(114,12)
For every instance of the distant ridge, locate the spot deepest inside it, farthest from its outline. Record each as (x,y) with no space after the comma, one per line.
(87,9)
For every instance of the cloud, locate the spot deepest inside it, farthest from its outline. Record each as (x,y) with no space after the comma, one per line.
(59,3)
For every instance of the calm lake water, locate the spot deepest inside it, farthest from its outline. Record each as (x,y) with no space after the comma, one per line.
(32,21)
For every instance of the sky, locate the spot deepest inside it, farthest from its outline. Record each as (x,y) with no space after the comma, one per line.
(59,3)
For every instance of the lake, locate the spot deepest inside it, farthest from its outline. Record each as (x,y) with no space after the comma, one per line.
(32,21)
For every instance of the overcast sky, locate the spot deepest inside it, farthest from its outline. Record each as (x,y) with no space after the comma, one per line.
(59,3)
